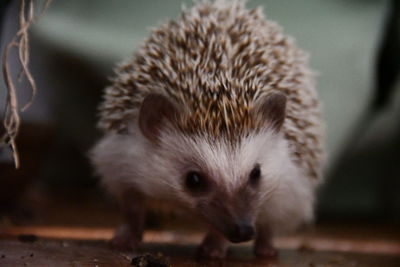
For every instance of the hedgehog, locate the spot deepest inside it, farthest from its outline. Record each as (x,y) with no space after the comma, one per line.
(216,113)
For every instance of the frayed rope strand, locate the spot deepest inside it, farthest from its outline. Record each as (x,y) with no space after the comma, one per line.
(20,41)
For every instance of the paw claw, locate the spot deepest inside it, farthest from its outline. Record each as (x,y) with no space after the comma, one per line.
(122,245)
(211,253)
(268,253)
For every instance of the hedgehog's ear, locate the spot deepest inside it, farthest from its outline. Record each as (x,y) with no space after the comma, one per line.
(272,109)
(156,109)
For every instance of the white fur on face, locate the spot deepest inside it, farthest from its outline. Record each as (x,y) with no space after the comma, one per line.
(285,195)
(229,165)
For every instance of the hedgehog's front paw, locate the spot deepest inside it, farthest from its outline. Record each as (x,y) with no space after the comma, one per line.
(211,252)
(214,246)
(267,252)
(124,239)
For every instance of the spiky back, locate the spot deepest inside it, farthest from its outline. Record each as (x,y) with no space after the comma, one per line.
(214,62)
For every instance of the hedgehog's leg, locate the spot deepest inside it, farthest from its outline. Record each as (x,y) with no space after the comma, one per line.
(263,247)
(129,235)
(214,246)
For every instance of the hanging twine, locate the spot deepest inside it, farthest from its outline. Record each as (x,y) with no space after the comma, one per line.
(20,41)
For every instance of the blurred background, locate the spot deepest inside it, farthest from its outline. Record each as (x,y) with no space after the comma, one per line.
(355,50)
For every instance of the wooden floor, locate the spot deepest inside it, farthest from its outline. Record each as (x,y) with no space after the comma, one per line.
(75,233)
(72,246)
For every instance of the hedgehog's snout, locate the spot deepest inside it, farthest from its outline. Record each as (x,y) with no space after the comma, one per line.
(230,217)
(241,232)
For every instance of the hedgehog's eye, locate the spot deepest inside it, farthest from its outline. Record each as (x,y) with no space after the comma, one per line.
(255,175)
(195,182)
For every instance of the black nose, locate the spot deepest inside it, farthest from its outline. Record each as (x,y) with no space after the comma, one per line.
(242,233)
